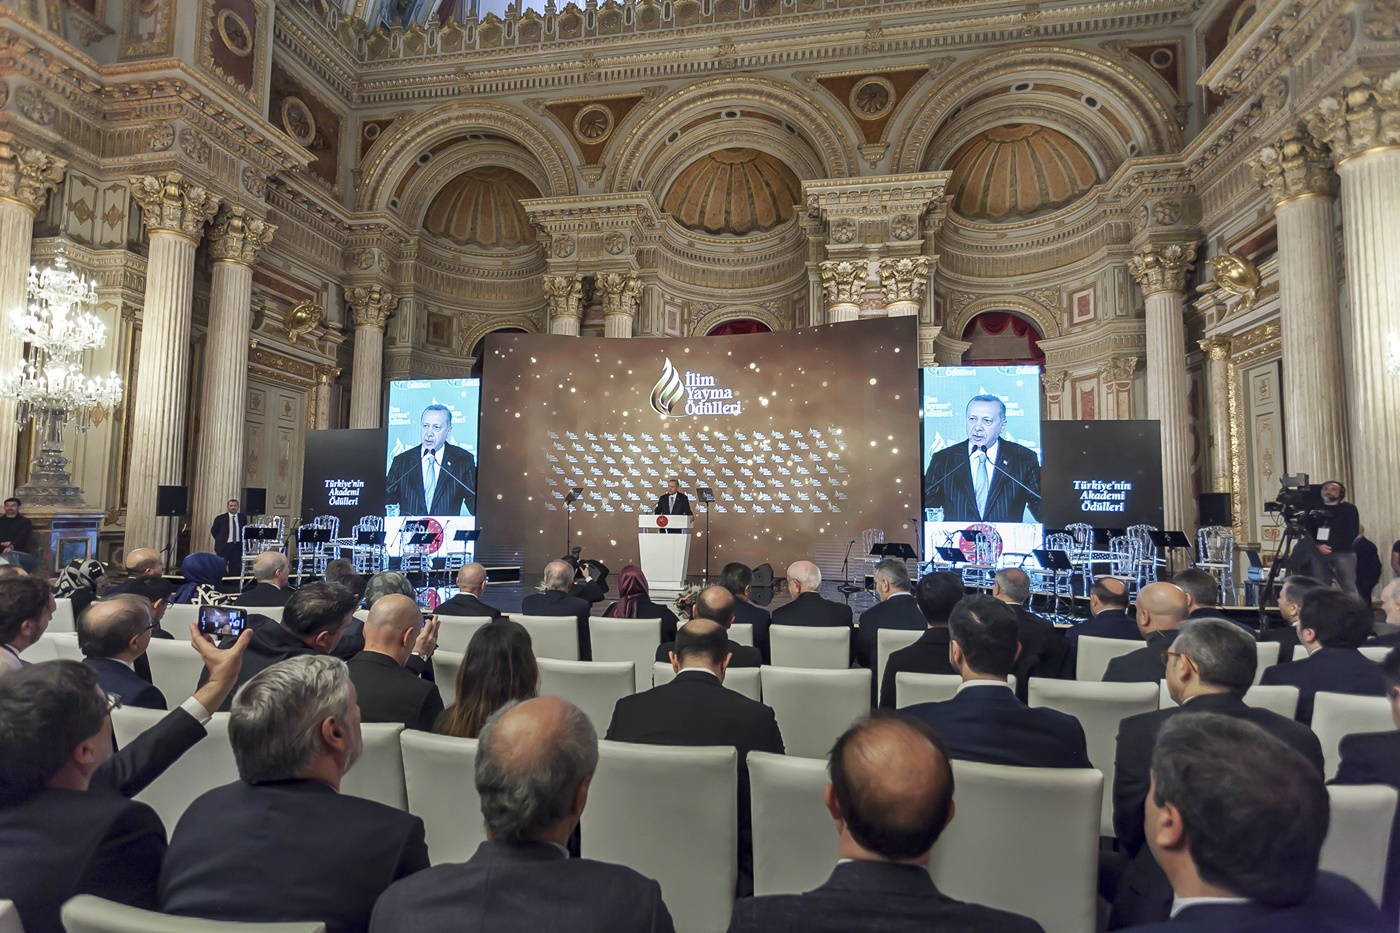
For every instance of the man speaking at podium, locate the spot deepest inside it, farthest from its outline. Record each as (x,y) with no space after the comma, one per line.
(434,478)
(673,502)
(986,479)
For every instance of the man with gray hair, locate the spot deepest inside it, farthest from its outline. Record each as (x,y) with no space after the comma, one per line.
(808,606)
(553,599)
(897,609)
(282,843)
(112,634)
(1044,648)
(534,763)
(270,571)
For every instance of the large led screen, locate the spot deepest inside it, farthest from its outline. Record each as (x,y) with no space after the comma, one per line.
(430,475)
(1107,474)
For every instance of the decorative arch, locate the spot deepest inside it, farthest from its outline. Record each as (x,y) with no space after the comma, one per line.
(462,157)
(1045,321)
(706,323)
(496,328)
(739,326)
(517,323)
(994,323)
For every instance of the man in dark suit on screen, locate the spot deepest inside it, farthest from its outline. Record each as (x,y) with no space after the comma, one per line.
(986,479)
(227,532)
(434,478)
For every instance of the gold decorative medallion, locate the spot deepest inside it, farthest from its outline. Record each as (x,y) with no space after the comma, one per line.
(872,98)
(593,125)
(238,38)
(297,120)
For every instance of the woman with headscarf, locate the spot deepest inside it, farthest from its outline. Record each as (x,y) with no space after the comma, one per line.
(634,602)
(203,572)
(79,582)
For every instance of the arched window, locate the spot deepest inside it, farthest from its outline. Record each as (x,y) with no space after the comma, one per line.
(1000,338)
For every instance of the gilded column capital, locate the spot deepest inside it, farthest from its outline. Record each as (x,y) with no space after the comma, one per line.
(1217,348)
(1054,383)
(1364,115)
(564,294)
(1159,269)
(1295,166)
(904,279)
(1117,370)
(843,281)
(621,292)
(325,375)
(236,237)
(173,204)
(370,306)
(27,174)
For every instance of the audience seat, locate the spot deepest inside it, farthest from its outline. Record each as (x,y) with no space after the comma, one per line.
(272,612)
(673,815)
(1281,699)
(45,649)
(438,771)
(9,918)
(1353,848)
(1339,714)
(207,765)
(794,840)
(827,647)
(742,632)
(1093,654)
(745,680)
(552,636)
(1024,840)
(362,614)
(178,617)
(911,688)
(378,775)
(632,640)
(88,914)
(1376,653)
(454,632)
(1099,707)
(63,619)
(175,668)
(445,667)
(888,641)
(1268,657)
(63,644)
(592,686)
(815,706)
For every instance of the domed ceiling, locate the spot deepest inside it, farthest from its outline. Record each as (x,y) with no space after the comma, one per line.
(481,208)
(734,192)
(1017,171)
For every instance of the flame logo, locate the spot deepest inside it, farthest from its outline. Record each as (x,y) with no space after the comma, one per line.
(668,392)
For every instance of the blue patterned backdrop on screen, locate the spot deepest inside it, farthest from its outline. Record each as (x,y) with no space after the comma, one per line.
(947,389)
(408,398)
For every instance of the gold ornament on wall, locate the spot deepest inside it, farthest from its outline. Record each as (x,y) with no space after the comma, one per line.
(872,98)
(302,319)
(1236,275)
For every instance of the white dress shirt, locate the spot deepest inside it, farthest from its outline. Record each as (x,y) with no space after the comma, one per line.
(1181,903)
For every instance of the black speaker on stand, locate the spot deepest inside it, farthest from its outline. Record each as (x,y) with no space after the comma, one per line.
(254,500)
(1215,509)
(171,503)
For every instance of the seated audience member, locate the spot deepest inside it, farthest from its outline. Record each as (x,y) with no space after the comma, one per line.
(270,570)
(697,709)
(891,795)
(11,570)
(897,609)
(26,608)
(1236,819)
(112,634)
(1161,608)
(984,721)
(471,583)
(80,582)
(499,668)
(352,642)
(1331,626)
(938,593)
(553,599)
(808,607)
(386,582)
(139,562)
(1388,631)
(67,826)
(533,767)
(1043,647)
(156,591)
(1291,593)
(590,580)
(1209,667)
(737,578)
(343,572)
(387,692)
(1202,593)
(634,602)
(717,604)
(312,852)
(1368,565)
(204,574)
(1108,618)
(1374,758)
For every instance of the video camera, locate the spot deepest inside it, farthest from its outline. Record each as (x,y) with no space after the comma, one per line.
(1298,500)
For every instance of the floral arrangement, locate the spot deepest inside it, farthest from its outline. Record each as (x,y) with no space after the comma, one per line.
(685,601)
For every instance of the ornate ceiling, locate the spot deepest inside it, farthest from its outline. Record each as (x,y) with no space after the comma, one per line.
(1016,171)
(735,192)
(481,208)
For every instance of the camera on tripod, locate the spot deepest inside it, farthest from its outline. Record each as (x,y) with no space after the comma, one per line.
(1297,500)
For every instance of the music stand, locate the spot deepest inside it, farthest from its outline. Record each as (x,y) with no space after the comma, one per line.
(952,555)
(707,496)
(898,549)
(308,534)
(1167,542)
(574,495)
(370,538)
(465,535)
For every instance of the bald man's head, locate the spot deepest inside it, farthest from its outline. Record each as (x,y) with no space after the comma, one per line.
(1012,585)
(392,626)
(142,561)
(471,579)
(702,643)
(716,604)
(116,627)
(1109,593)
(558,575)
(1161,607)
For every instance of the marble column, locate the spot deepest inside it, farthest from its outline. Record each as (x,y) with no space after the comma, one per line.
(1161,273)
(370,307)
(1217,351)
(1298,174)
(1053,384)
(843,286)
(1116,379)
(564,294)
(174,212)
(235,239)
(621,293)
(1361,124)
(27,175)
(321,401)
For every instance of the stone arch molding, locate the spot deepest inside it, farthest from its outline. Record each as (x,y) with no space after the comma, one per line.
(395,152)
(1045,320)
(789,102)
(459,158)
(707,322)
(472,337)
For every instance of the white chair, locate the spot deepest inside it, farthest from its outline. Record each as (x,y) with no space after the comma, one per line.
(177,619)
(1046,866)
(362,615)
(207,765)
(88,914)
(175,668)
(439,771)
(45,649)
(1376,653)
(794,841)
(455,632)
(1336,715)
(640,795)
(1268,657)
(63,644)
(911,688)
(1093,655)
(745,680)
(552,636)
(378,775)
(887,642)
(1281,699)
(272,612)
(1099,707)
(815,706)
(742,633)
(63,619)
(9,918)
(446,664)
(592,686)
(822,647)
(632,640)
(1353,847)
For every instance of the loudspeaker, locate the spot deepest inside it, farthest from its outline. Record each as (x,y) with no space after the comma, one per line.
(1215,508)
(172,501)
(254,501)
(762,576)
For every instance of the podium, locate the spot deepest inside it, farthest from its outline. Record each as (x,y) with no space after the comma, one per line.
(665,557)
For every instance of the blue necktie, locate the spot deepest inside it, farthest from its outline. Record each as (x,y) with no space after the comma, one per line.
(981,480)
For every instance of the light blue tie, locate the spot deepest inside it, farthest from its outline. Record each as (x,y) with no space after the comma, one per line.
(981,481)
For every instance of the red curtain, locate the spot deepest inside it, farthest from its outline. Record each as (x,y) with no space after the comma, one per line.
(996,322)
(741,326)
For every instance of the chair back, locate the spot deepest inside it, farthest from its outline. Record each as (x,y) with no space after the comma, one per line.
(9,918)
(823,647)
(1124,552)
(1093,655)
(1336,715)
(89,914)
(592,686)
(1376,653)
(1281,699)
(640,794)
(63,644)
(207,765)
(378,775)
(1083,535)
(911,688)
(63,619)
(814,707)
(45,649)
(1049,820)
(175,668)
(632,640)
(742,633)
(439,776)
(745,680)
(446,664)
(552,636)
(794,843)
(178,617)
(1353,848)
(1268,657)
(887,642)
(455,632)
(1060,541)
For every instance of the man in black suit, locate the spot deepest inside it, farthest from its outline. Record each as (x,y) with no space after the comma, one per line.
(112,634)
(891,795)
(716,604)
(1108,618)
(696,709)
(270,572)
(1043,647)
(1331,626)
(534,763)
(26,608)
(434,478)
(808,607)
(1209,667)
(1202,593)
(387,692)
(471,583)
(984,721)
(139,562)
(227,532)
(1239,858)
(988,478)
(737,578)
(317,854)
(897,609)
(938,593)
(1161,608)
(553,599)
(672,502)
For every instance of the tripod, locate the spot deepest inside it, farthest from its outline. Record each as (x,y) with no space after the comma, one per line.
(1293,532)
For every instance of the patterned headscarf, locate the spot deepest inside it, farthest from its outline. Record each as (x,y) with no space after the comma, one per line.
(200,569)
(81,573)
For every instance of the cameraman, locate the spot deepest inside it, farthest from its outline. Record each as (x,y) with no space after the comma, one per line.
(1336,532)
